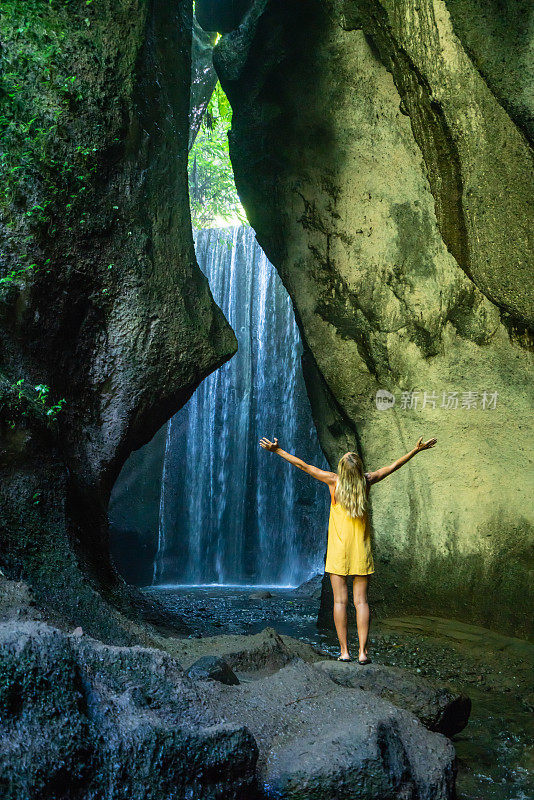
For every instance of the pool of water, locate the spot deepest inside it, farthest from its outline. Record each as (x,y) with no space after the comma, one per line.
(495,751)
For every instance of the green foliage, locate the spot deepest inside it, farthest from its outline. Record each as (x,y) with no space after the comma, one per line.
(34,91)
(21,404)
(213,196)
(41,180)
(15,276)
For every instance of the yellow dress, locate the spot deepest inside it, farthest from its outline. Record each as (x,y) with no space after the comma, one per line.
(349,543)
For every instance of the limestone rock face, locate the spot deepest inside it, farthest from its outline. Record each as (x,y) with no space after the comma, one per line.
(390,186)
(102,304)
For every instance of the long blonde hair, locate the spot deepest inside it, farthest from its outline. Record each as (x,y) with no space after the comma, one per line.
(351,489)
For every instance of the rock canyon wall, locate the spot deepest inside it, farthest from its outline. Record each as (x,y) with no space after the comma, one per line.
(391,186)
(103,305)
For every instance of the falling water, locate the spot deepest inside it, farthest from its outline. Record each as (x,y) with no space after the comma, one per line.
(230,512)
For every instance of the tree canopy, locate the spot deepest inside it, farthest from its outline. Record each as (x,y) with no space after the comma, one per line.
(213,196)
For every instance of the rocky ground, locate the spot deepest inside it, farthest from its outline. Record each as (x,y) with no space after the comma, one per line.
(228,716)
(494,751)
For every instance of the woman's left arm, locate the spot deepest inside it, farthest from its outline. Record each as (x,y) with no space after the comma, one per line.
(382,473)
(309,469)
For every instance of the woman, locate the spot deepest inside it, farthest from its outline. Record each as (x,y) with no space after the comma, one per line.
(349,543)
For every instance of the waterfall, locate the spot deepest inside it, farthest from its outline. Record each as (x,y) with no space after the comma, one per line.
(231,512)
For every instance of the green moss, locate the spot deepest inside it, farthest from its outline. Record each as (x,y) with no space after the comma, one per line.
(35,89)
(49,140)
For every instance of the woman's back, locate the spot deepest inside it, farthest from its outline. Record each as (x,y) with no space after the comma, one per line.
(349,541)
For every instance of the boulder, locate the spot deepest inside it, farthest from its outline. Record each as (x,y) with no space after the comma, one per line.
(391,187)
(318,740)
(303,650)
(81,719)
(263,652)
(437,708)
(310,589)
(263,594)
(212,668)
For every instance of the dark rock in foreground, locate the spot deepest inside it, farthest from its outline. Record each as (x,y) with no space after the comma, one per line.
(84,720)
(437,708)
(213,668)
(319,741)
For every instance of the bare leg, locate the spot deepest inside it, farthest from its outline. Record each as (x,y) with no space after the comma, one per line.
(359,588)
(341,596)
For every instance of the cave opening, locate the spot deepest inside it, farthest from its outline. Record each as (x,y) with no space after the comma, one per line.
(202,504)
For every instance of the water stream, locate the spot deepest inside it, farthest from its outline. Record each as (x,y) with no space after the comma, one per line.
(232,513)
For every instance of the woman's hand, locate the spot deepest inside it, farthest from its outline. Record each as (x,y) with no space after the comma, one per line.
(272,446)
(425,445)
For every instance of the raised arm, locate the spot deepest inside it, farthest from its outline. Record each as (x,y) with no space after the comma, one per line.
(380,474)
(315,472)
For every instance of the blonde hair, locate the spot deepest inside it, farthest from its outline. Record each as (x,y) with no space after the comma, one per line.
(351,491)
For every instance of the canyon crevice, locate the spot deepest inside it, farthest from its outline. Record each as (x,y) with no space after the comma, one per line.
(381,151)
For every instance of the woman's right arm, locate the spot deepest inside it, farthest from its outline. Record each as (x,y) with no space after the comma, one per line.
(382,473)
(314,472)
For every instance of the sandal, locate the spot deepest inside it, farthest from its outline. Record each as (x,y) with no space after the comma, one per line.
(364,662)
(344,659)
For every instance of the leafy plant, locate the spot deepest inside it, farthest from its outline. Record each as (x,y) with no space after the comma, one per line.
(212,193)
(16,275)
(20,403)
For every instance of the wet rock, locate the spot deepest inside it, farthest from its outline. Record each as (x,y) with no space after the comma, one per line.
(81,720)
(17,601)
(213,668)
(261,653)
(310,589)
(438,709)
(304,650)
(260,595)
(320,740)
(108,309)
